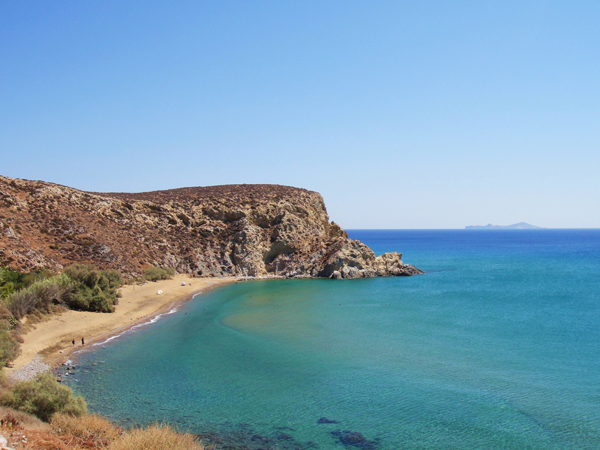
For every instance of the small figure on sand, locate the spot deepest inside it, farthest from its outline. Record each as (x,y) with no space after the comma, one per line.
(82,341)
(73,342)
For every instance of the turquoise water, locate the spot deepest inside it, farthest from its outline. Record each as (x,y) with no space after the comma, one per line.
(496,347)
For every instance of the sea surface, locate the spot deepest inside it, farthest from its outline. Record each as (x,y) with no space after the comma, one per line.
(497,346)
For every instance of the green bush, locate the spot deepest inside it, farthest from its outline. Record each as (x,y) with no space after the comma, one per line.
(43,397)
(93,289)
(158,273)
(9,346)
(40,295)
(12,280)
(9,338)
(8,279)
(80,287)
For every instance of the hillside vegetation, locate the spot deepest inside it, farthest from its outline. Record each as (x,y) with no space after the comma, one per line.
(42,413)
(81,287)
(68,432)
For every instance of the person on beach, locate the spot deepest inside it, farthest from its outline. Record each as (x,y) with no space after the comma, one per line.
(82,341)
(73,342)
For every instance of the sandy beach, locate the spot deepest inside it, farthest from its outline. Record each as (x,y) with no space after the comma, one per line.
(52,339)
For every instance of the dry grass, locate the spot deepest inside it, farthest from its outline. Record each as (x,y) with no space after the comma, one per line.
(11,418)
(20,439)
(15,425)
(92,429)
(156,437)
(25,432)
(4,382)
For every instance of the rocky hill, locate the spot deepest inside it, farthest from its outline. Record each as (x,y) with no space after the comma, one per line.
(235,230)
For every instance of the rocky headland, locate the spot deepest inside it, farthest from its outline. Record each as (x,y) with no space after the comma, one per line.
(218,231)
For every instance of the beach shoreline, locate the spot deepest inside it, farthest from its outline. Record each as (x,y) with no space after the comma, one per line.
(50,343)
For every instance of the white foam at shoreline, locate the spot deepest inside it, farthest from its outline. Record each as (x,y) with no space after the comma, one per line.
(153,320)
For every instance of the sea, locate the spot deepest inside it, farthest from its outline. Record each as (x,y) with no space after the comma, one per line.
(496,346)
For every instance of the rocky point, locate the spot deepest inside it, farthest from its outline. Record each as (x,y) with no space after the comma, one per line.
(217,231)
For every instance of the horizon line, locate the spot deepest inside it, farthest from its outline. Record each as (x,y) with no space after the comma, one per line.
(477,229)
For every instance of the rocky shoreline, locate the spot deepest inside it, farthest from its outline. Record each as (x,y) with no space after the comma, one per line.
(29,371)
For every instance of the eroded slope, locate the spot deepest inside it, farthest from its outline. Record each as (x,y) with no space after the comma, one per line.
(234,230)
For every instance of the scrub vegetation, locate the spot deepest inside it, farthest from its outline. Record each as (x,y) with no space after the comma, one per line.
(89,431)
(93,289)
(158,273)
(33,295)
(43,411)
(42,397)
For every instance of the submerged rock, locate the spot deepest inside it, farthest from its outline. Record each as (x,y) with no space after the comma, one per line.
(244,437)
(355,439)
(326,420)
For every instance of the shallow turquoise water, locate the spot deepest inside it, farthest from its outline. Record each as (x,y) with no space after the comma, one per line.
(496,347)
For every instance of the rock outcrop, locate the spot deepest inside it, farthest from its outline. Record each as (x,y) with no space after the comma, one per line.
(234,230)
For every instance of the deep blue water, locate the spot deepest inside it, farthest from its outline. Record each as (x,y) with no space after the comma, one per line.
(497,346)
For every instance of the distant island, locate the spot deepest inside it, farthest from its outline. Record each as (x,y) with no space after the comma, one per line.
(516,226)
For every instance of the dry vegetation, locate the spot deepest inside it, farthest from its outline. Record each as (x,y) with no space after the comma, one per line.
(66,432)
(42,413)
(158,437)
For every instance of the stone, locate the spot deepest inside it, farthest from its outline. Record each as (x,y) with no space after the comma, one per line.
(355,439)
(30,370)
(326,420)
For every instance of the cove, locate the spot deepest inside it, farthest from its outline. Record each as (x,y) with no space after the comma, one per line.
(495,347)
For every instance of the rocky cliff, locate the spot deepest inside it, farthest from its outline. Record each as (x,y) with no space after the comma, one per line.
(235,230)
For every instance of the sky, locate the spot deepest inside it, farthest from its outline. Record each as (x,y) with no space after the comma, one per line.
(402,114)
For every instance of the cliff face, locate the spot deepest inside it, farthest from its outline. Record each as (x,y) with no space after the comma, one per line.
(235,230)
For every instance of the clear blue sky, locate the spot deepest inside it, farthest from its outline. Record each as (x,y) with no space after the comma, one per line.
(402,114)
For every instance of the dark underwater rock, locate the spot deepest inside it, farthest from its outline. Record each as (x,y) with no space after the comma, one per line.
(355,439)
(244,437)
(326,420)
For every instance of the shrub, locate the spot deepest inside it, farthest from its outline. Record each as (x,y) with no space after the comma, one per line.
(6,289)
(7,320)
(9,347)
(93,289)
(40,295)
(96,429)
(43,397)
(9,337)
(158,273)
(12,280)
(11,418)
(80,287)
(156,437)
